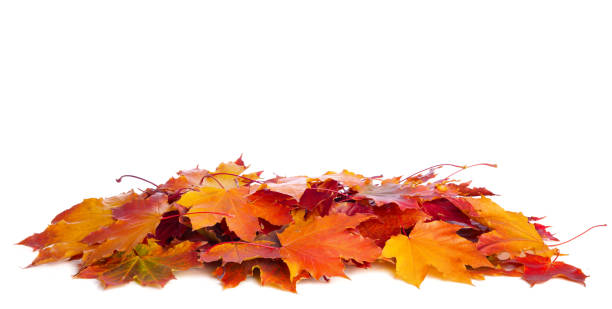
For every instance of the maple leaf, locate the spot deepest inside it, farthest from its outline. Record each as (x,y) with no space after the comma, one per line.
(240,212)
(289,228)
(187,179)
(272,272)
(149,265)
(388,193)
(292,186)
(228,175)
(544,233)
(320,196)
(318,244)
(347,178)
(389,221)
(272,206)
(445,210)
(542,229)
(511,231)
(463,189)
(238,252)
(62,239)
(232,202)
(135,220)
(538,269)
(352,207)
(174,226)
(510,270)
(433,245)
(419,178)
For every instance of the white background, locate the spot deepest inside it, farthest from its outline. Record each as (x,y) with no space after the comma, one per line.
(91,90)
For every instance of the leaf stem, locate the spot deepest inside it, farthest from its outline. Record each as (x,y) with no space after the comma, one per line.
(468,166)
(433,167)
(213,178)
(592,227)
(139,178)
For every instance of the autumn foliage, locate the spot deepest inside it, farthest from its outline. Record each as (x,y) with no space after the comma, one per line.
(288,229)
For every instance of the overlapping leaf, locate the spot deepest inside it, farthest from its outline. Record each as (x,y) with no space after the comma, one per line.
(62,239)
(511,232)
(135,220)
(318,244)
(287,229)
(149,265)
(434,245)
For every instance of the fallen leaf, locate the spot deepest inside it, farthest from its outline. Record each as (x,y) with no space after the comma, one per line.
(511,231)
(539,269)
(272,272)
(318,244)
(62,239)
(388,193)
(240,213)
(285,229)
(389,221)
(135,220)
(237,252)
(149,265)
(433,245)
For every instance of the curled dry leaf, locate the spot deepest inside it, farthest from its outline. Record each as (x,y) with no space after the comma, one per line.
(286,229)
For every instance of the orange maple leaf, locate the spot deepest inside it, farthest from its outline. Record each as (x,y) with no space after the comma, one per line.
(62,239)
(242,212)
(272,272)
(238,252)
(318,244)
(134,221)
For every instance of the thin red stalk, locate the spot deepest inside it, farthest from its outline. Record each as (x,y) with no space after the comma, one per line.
(170,217)
(435,166)
(213,177)
(245,178)
(139,178)
(198,212)
(463,168)
(592,227)
(179,191)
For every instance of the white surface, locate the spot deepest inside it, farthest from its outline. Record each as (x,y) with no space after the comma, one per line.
(92,90)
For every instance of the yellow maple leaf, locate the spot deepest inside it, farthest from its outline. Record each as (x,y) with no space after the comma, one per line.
(511,231)
(433,245)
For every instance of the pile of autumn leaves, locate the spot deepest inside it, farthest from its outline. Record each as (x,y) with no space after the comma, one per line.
(287,229)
